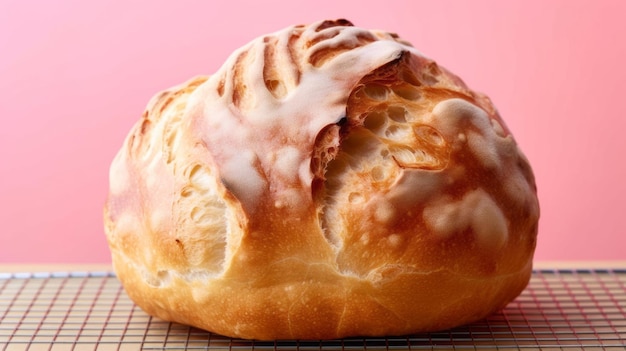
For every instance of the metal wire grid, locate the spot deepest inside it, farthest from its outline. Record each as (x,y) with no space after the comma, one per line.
(562,309)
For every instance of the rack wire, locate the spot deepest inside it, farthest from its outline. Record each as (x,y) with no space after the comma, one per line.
(560,309)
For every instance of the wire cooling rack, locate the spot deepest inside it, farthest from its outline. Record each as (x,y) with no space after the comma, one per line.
(560,309)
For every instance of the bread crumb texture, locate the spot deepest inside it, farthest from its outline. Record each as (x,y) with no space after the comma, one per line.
(327,181)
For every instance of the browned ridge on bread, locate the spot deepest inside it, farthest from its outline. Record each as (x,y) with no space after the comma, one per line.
(327,181)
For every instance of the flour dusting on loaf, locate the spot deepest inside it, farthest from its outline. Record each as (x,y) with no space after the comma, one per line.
(327,181)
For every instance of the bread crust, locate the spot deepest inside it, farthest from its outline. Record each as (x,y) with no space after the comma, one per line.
(328,181)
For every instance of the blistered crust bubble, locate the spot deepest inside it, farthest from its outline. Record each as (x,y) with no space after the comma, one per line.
(326,181)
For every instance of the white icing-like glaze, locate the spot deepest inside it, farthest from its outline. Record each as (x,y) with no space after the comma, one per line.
(286,162)
(415,186)
(484,150)
(249,184)
(469,128)
(251,142)
(451,117)
(476,210)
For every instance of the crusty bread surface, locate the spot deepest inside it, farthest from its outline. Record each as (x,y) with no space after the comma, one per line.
(327,181)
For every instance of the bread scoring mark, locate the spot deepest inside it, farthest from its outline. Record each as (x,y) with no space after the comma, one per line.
(325,35)
(240,93)
(342,22)
(328,49)
(220,85)
(200,206)
(171,134)
(382,138)
(271,76)
(294,57)
(332,38)
(205,231)
(329,138)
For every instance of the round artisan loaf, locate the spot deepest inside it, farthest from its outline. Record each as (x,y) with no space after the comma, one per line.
(327,181)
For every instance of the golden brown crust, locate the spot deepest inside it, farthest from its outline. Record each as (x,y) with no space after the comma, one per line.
(327,181)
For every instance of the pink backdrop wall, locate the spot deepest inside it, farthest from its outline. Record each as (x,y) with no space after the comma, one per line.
(75,75)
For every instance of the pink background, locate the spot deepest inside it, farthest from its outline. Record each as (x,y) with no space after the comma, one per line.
(75,75)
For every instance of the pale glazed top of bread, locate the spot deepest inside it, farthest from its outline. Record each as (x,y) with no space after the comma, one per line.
(299,74)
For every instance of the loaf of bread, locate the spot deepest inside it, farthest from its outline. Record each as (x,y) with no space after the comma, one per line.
(327,181)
